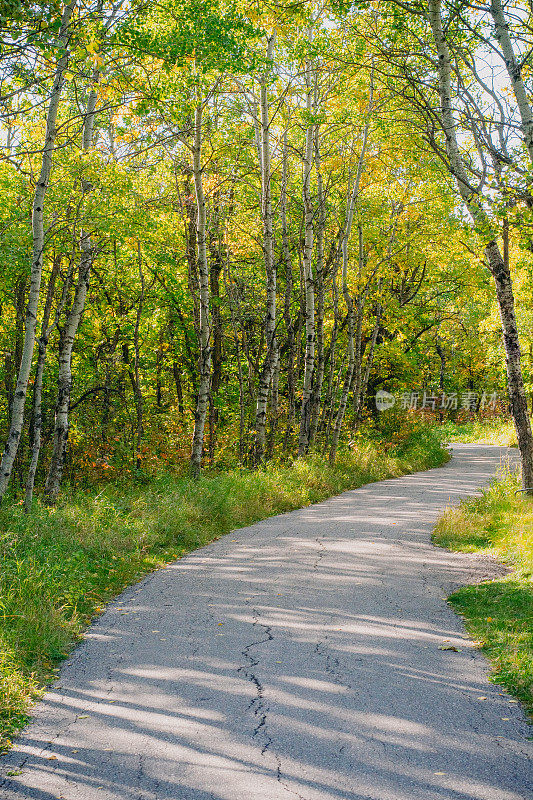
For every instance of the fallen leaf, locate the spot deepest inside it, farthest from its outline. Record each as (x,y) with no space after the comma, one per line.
(482,698)
(82,716)
(51,758)
(439,773)
(449,647)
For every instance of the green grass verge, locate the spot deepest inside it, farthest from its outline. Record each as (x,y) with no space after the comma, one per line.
(498,614)
(61,565)
(499,430)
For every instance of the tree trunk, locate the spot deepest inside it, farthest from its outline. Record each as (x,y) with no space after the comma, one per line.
(274,405)
(515,383)
(215,246)
(287,316)
(66,346)
(350,211)
(64,381)
(308,277)
(368,367)
(37,417)
(514,70)
(498,268)
(320,231)
(204,322)
(242,406)
(265,374)
(19,400)
(135,376)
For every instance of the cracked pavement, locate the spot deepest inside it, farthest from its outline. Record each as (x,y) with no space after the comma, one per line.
(295,658)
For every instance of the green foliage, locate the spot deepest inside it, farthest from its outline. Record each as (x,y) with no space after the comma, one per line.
(213,33)
(499,613)
(60,565)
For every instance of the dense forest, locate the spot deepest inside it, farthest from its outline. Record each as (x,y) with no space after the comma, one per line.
(225,226)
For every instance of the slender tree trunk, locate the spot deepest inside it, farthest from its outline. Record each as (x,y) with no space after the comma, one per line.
(64,381)
(327,410)
(66,346)
(205,324)
(242,405)
(514,70)
(349,371)
(37,417)
(135,376)
(442,357)
(350,211)
(368,366)
(274,405)
(265,375)
(498,268)
(320,299)
(287,315)
(308,277)
(216,245)
(19,400)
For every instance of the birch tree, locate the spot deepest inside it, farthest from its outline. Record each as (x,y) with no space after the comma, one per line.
(268,367)
(307,264)
(75,312)
(496,263)
(204,383)
(38,227)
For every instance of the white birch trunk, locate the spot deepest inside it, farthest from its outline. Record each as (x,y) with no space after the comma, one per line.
(46,330)
(350,212)
(66,346)
(205,324)
(497,265)
(287,262)
(265,375)
(368,366)
(19,400)
(321,226)
(309,282)
(514,70)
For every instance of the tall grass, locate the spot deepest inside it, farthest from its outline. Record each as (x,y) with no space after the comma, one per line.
(499,431)
(498,613)
(61,565)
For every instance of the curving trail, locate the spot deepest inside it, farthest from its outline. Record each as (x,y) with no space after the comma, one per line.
(296,659)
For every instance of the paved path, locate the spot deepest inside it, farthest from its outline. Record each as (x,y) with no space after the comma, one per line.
(297,659)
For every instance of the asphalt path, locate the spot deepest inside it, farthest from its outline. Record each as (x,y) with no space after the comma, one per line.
(298,658)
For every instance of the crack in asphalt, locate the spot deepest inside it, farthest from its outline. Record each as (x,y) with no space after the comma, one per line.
(257,703)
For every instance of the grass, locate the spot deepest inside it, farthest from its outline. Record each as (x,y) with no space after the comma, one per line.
(498,614)
(499,430)
(61,565)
